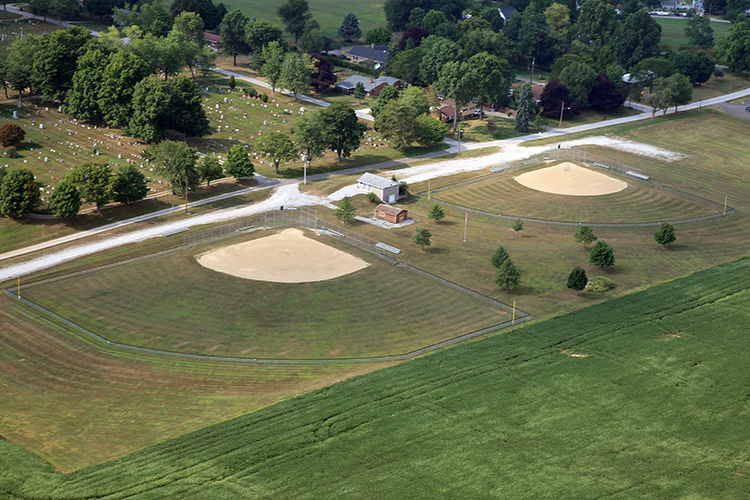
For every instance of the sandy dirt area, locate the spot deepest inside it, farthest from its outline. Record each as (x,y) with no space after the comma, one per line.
(287,257)
(570,179)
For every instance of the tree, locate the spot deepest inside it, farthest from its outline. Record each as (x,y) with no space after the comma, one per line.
(680,90)
(596,22)
(518,226)
(232,31)
(697,66)
(406,65)
(238,163)
(278,147)
(699,32)
(65,200)
(345,211)
(637,38)
(122,72)
(433,19)
(585,235)
(19,193)
(397,123)
(83,97)
(342,130)
(430,130)
(296,72)
(359,91)
(508,277)
(437,52)
(602,255)
(323,75)
(209,169)
(19,64)
(665,234)
(378,36)
(499,257)
(604,96)
(412,38)
(309,135)
(349,29)
(523,109)
(273,57)
(492,76)
(456,80)
(579,78)
(554,97)
(734,49)
(422,238)
(260,33)
(294,14)
(436,213)
(130,185)
(177,161)
(11,134)
(55,59)
(388,94)
(95,181)
(577,279)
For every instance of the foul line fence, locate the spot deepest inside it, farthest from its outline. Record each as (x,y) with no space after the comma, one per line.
(578,154)
(303,217)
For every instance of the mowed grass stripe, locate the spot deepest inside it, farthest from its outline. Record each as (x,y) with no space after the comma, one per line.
(171,302)
(636,203)
(655,409)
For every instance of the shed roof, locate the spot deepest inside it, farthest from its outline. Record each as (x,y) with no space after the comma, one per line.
(376,181)
(389,209)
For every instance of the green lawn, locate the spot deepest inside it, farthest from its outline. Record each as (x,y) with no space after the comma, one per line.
(673,31)
(642,397)
(194,309)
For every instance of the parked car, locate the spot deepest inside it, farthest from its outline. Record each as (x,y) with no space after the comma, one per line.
(747,109)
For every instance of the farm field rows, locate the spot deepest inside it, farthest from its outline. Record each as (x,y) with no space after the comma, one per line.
(636,203)
(171,302)
(650,403)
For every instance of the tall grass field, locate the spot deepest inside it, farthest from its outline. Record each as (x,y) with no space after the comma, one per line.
(645,396)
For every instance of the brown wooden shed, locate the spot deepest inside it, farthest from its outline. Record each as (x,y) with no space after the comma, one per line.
(391,214)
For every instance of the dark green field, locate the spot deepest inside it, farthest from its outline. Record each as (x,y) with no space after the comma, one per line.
(636,203)
(645,396)
(171,302)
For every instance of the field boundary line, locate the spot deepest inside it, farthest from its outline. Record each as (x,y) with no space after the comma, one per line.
(577,154)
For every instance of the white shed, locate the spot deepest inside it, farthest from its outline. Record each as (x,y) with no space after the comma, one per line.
(385,189)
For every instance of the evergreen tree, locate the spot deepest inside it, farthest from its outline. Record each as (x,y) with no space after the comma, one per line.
(518,226)
(436,213)
(508,277)
(523,110)
(238,163)
(577,280)
(665,234)
(585,235)
(345,211)
(65,200)
(349,29)
(499,257)
(602,255)
(19,193)
(422,238)
(232,82)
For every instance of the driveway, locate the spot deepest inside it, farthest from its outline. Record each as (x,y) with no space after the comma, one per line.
(737,110)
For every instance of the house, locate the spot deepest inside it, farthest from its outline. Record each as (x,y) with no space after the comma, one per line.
(391,214)
(213,41)
(448,110)
(536,90)
(385,189)
(372,87)
(506,12)
(376,53)
(669,4)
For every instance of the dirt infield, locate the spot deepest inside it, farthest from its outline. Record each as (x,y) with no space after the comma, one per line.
(287,257)
(569,179)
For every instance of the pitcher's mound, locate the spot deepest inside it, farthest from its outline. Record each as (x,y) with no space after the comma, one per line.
(287,257)
(570,179)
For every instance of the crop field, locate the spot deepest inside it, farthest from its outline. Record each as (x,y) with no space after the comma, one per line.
(636,203)
(650,403)
(170,302)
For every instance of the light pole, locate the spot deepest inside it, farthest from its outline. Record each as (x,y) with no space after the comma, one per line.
(460,129)
(304,162)
(562,108)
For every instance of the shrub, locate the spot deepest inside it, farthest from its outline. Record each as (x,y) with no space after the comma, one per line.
(11,134)
(251,92)
(373,198)
(11,152)
(264,97)
(232,82)
(600,284)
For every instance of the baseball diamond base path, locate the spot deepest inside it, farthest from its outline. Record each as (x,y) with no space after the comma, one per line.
(287,257)
(569,179)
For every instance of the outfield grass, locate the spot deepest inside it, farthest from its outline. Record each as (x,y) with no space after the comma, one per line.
(636,203)
(642,397)
(171,302)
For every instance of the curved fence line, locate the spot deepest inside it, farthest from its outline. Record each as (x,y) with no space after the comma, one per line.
(578,154)
(304,218)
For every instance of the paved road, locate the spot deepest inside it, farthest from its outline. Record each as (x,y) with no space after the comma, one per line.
(738,110)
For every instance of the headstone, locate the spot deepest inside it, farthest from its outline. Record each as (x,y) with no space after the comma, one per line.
(15,115)
(41,126)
